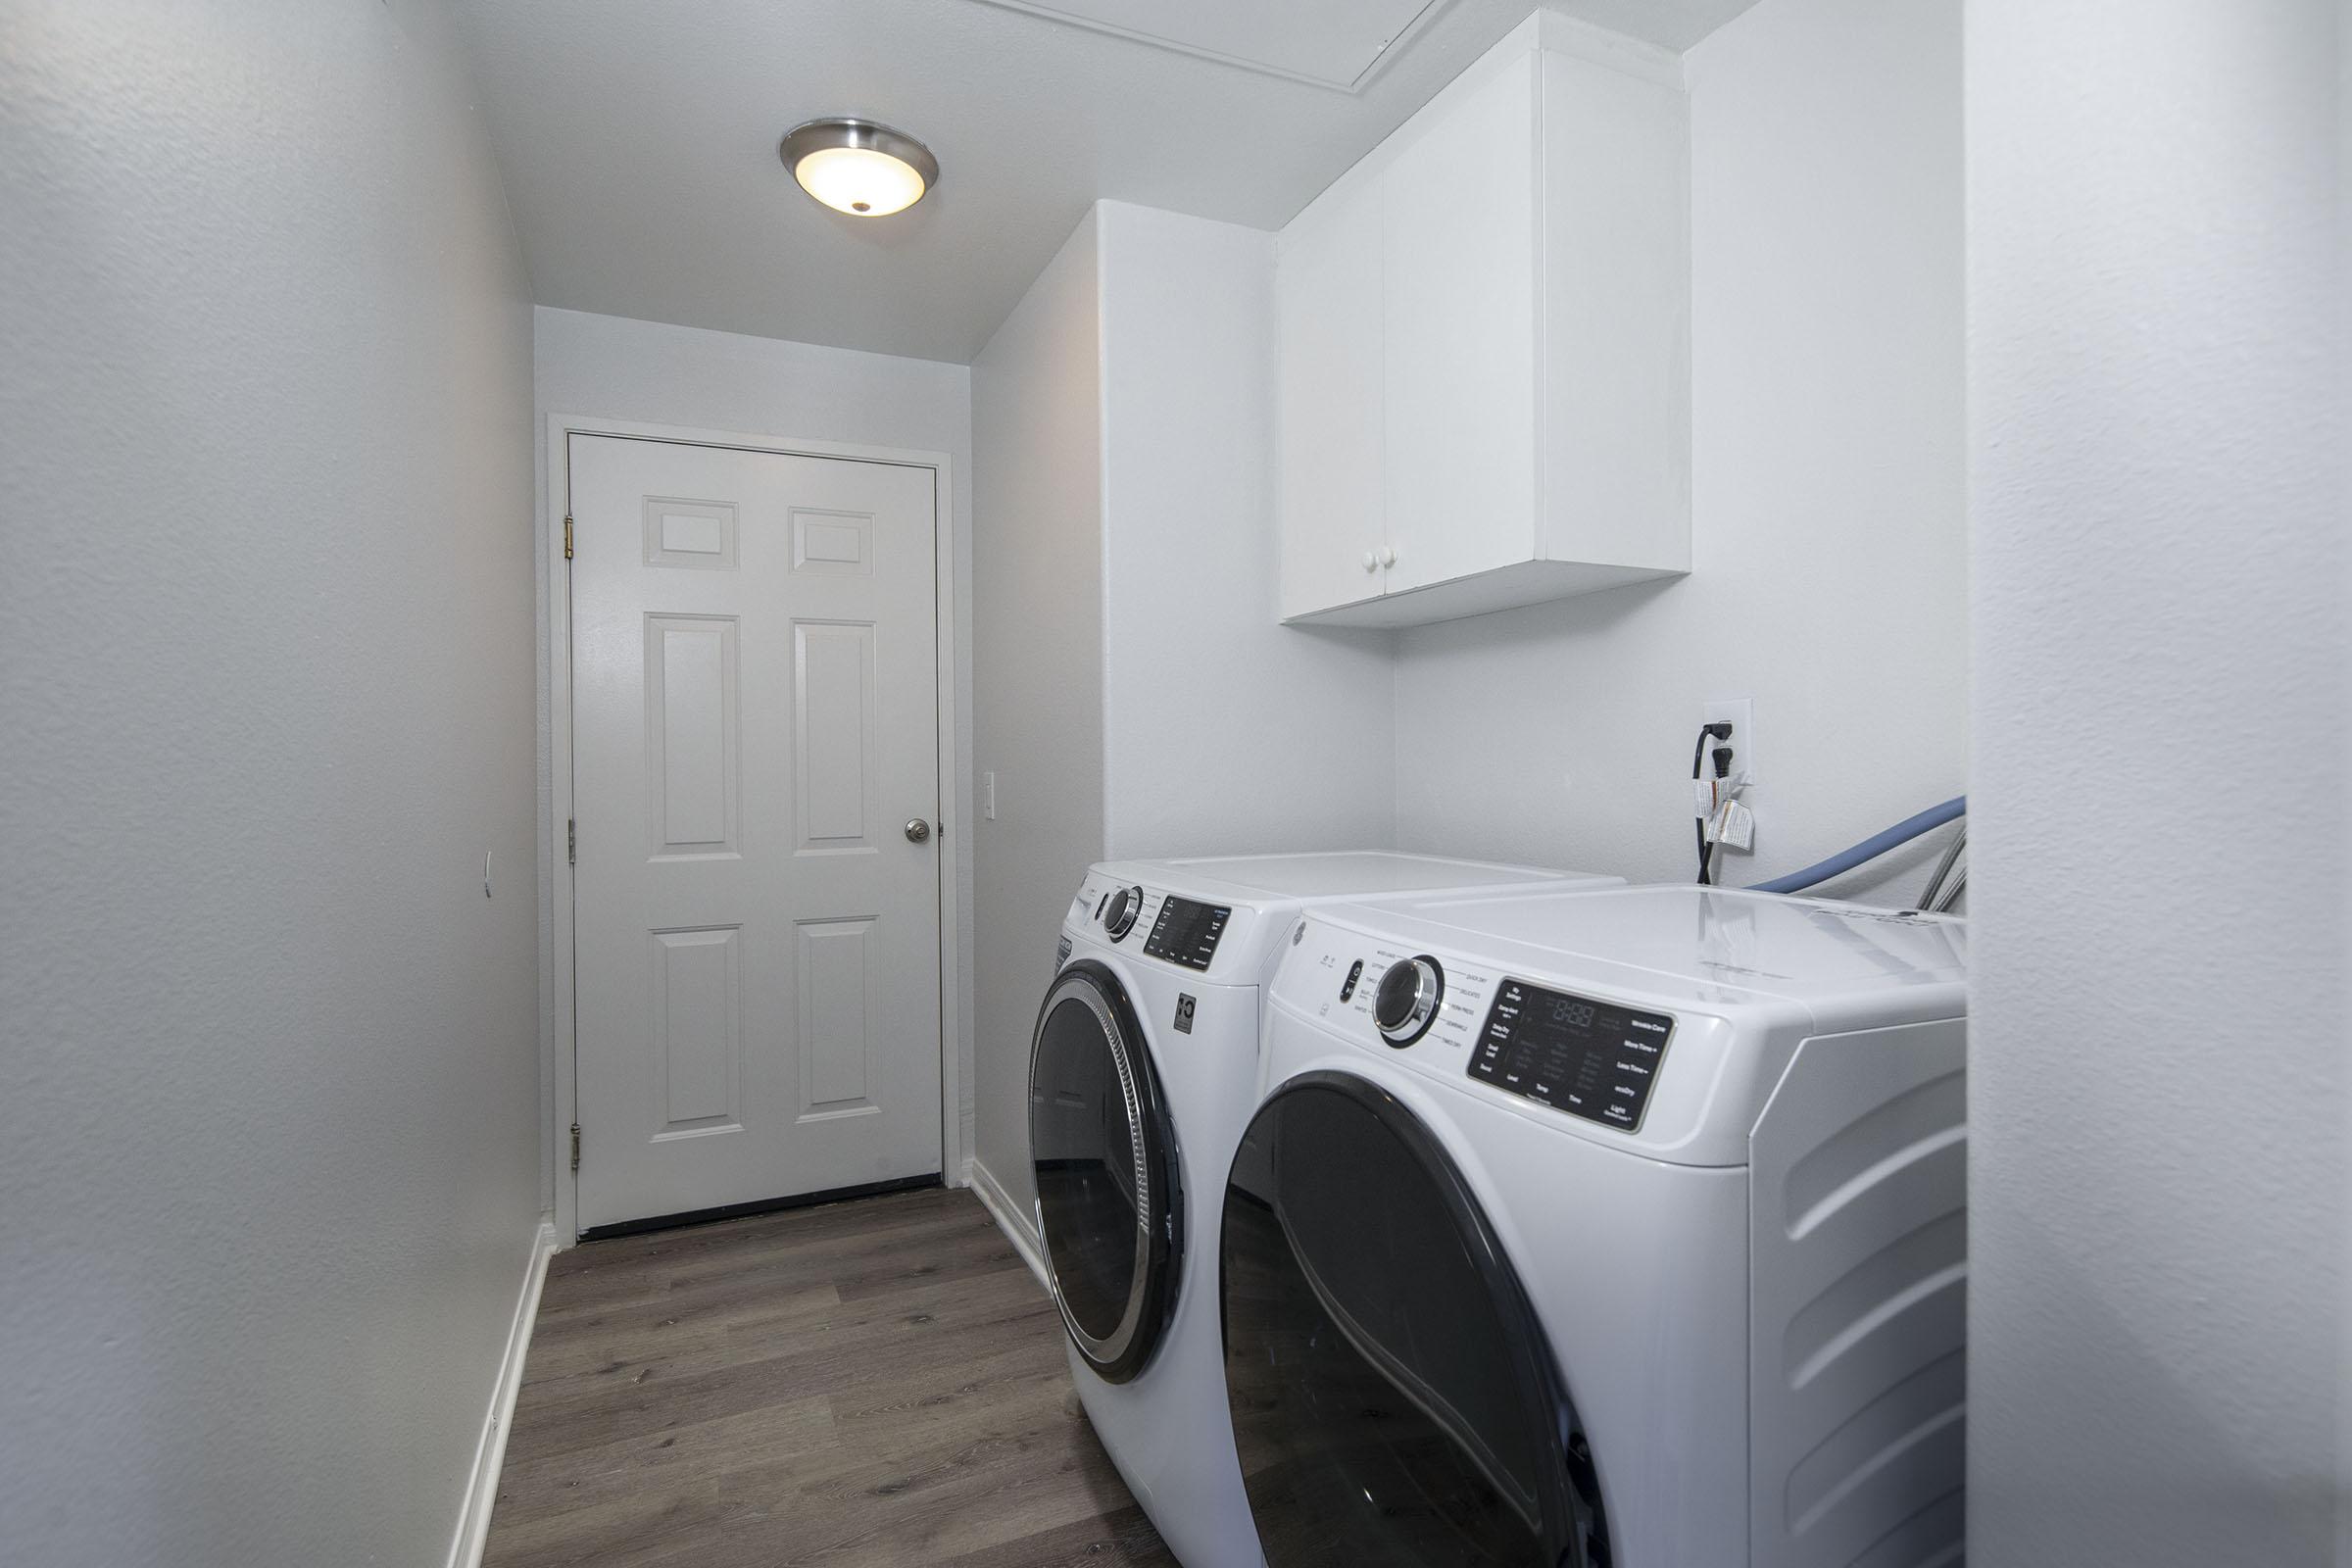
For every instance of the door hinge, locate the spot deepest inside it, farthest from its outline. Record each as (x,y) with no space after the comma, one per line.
(576,1145)
(566,538)
(571,840)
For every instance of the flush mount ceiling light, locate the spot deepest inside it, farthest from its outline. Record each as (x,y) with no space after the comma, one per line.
(858,167)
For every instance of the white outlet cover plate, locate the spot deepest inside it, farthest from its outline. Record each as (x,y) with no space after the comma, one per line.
(1740,712)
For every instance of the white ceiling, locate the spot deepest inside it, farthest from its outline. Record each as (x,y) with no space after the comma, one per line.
(638,142)
(1335,45)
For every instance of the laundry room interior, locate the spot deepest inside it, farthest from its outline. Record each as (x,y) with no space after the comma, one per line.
(1245,784)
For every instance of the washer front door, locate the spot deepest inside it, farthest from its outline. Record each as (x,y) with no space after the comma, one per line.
(1395,1402)
(1103,1155)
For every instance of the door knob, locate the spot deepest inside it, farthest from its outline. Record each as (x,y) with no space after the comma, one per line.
(917,830)
(1388,555)
(1371,561)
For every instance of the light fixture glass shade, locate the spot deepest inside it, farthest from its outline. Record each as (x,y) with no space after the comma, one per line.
(855,179)
(859,168)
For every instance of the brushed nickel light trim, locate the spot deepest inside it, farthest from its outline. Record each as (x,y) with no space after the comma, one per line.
(846,133)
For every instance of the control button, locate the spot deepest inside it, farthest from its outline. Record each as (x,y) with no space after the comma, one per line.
(1407,1003)
(1118,917)
(1355,972)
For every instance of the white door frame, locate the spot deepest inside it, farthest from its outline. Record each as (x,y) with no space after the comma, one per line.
(954,786)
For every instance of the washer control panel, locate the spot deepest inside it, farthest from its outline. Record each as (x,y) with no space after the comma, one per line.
(1591,1059)
(1186,932)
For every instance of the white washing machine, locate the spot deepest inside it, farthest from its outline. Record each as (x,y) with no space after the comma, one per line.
(1143,1071)
(1624,1228)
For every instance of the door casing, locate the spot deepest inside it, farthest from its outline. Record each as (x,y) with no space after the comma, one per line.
(954,772)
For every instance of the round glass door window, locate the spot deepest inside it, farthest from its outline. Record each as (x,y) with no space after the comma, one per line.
(1104,1156)
(1395,1401)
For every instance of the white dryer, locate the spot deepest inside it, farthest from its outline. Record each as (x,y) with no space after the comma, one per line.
(1626,1228)
(1144,1068)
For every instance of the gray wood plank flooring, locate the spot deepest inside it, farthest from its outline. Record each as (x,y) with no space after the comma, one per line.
(870,1383)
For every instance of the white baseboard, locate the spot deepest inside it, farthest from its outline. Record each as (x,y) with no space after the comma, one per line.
(490,1454)
(1009,1219)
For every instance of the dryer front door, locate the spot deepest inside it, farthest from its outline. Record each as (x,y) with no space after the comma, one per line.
(1395,1401)
(1103,1155)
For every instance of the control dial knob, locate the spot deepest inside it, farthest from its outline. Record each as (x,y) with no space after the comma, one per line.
(1407,1003)
(1119,917)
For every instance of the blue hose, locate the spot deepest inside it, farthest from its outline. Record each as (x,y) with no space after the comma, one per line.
(1870,849)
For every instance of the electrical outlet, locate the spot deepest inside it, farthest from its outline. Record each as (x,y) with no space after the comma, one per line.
(988,796)
(1740,713)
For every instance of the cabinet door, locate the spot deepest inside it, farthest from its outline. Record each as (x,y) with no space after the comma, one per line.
(1327,300)
(1458,254)
(1617,317)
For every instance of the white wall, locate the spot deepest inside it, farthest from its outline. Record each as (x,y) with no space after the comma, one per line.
(1135,694)
(1207,693)
(1829,578)
(267,1140)
(2156,272)
(1037,668)
(605,367)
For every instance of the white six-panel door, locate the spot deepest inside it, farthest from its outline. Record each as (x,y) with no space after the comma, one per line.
(753,730)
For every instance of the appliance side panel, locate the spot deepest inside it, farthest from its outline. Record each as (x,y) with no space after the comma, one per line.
(1858,1221)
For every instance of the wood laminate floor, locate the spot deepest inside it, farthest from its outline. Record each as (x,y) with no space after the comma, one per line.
(878,1382)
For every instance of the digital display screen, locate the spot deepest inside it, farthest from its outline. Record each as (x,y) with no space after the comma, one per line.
(1566,1012)
(1590,1059)
(1186,932)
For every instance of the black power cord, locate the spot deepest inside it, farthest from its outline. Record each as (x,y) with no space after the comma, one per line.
(1719,730)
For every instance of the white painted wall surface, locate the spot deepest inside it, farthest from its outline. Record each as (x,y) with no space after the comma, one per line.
(2156,277)
(1226,733)
(2344,413)
(1828,575)
(1134,694)
(609,367)
(1037,593)
(267,1142)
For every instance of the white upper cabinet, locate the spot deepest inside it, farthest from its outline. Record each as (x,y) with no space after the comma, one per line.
(1485,344)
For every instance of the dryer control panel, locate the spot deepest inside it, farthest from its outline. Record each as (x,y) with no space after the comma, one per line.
(1591,1059)
(1591,1055)
(1339,975)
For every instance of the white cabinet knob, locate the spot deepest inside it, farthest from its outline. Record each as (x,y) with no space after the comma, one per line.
(1388,556)
(1371,561)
